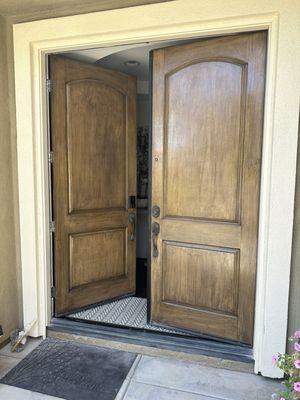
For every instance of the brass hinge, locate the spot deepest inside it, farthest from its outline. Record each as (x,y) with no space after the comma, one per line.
(52,226)
(48,85)
(53,292)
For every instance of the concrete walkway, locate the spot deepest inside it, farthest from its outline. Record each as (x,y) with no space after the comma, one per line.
(157,378)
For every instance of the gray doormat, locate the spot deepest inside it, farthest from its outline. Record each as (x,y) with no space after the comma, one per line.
(72,371)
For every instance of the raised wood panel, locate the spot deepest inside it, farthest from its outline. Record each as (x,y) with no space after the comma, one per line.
(203,150)
(96,129)
(208,277)
(97,256)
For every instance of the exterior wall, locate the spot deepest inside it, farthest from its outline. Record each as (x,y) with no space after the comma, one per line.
(294,307)
(30,10)
(10,292)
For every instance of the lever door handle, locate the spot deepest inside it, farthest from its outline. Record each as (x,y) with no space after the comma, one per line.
(131,219)
(155,232)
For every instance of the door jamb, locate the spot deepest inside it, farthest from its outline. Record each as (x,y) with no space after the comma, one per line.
(50,186)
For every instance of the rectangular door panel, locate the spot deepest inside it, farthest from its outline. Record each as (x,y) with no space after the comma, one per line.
(93,132)
(208,277)
(93,256)
(208,99)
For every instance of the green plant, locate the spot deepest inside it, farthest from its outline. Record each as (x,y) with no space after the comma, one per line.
(290,365)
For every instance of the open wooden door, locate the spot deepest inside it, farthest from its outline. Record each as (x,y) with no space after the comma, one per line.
(208,101)
(94,171)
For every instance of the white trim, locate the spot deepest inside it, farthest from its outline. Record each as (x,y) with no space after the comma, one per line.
(156,22)
(265,195)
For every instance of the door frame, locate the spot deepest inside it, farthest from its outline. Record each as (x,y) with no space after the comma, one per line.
(165,21)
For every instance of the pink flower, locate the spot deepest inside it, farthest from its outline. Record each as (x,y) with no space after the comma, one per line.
(282,398)
(297,364)
(297,386)
(274,359)
(297,346)
(297,334)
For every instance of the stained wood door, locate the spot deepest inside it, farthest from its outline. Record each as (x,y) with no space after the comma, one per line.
(208,99)
(94,171)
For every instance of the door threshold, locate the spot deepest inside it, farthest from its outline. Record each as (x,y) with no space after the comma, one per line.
(207,351)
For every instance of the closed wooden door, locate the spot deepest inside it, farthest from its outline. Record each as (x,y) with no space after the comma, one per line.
(208,99)
(94,174)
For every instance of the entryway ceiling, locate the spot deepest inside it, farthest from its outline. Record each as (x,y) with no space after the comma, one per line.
(117,57)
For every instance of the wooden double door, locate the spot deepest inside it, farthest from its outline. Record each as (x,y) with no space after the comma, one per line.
(207,122)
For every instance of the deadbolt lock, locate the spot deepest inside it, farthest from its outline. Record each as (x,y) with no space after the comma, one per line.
(155,211)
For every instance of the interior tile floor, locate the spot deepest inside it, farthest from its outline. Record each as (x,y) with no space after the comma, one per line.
(161,379)
(130,311)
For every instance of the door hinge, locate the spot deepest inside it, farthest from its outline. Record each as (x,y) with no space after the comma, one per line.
(52,226)
(50,157)
(53,292)
(48,85)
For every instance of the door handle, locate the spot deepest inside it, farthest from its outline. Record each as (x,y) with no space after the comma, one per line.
(131,219)
(155,232)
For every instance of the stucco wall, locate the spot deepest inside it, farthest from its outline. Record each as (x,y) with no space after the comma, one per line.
(9,287)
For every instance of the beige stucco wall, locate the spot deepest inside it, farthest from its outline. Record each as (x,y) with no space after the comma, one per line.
(9,282)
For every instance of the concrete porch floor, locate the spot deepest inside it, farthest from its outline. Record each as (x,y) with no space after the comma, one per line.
(160,378)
